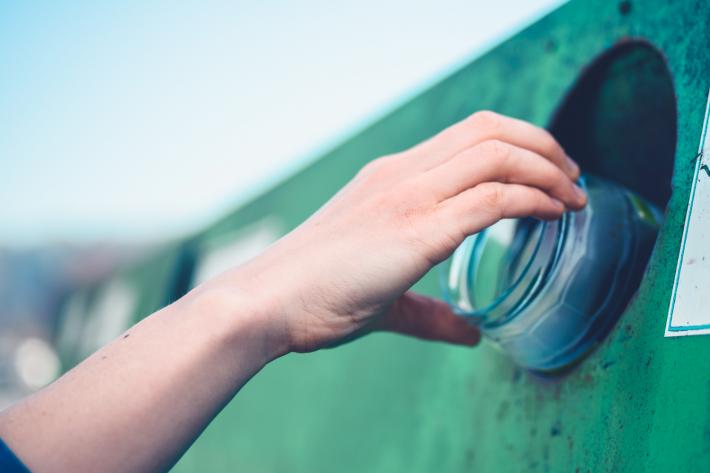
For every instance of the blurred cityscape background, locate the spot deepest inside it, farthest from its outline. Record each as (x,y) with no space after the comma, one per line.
(127,125)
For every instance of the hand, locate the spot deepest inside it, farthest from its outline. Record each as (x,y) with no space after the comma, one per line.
(346,270)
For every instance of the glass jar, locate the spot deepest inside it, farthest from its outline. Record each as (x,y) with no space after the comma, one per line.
(547,292)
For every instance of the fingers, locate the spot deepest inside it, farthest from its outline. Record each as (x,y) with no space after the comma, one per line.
(500,162)
(482,206)
(429,319)
(483,126)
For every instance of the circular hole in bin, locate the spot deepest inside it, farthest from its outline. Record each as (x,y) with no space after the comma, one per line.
(548,293)
(619,120)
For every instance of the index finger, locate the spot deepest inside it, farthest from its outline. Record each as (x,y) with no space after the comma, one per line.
(486,125)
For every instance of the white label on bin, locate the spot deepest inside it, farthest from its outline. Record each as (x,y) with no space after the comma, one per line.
(689,312)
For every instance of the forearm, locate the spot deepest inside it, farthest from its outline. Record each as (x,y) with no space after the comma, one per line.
(138,403)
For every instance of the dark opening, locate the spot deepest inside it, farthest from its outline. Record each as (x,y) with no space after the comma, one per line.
(619,120)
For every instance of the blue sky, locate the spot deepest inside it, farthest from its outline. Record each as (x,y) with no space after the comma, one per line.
(145,120)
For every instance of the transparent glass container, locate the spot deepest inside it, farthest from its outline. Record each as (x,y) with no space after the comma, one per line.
(546,292)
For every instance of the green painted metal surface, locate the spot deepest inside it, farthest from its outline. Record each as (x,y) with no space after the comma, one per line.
(639,403)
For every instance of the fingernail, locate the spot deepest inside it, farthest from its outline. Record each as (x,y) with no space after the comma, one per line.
(573,167)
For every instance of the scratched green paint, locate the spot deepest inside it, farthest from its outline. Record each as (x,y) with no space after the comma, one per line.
(386,404)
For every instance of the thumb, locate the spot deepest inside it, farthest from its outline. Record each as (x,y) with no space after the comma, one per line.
(430,319)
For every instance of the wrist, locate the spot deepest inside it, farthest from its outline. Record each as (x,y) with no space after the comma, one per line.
(239,317)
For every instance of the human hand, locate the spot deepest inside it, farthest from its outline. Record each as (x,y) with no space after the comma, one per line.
(347,269)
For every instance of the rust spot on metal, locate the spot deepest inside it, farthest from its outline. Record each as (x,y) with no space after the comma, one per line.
(625,7)
(587,379)
(649,360)
(502,410)
(550,46)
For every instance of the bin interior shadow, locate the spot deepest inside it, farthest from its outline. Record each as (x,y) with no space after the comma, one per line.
(619,120)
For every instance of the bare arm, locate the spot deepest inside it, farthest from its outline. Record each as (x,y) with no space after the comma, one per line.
(138,403)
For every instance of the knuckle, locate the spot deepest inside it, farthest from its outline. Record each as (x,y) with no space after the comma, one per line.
(374,167)
(420,229)
(367,169)
(486,121)
(492,196)
(411,225)
(550,145)
(549,140)
(496,150)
